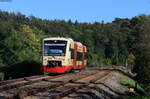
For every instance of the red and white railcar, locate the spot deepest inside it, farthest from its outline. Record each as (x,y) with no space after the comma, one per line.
(60,55)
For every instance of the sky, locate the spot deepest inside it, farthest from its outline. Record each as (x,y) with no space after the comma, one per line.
(80,10)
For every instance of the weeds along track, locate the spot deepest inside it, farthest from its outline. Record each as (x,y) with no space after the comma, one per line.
(55,87)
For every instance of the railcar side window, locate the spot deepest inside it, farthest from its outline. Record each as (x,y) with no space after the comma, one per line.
(72,53)
(79,56)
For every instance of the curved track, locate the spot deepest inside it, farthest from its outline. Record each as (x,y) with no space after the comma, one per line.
(55,87)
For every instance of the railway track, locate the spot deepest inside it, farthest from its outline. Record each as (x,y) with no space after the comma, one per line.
(54,87)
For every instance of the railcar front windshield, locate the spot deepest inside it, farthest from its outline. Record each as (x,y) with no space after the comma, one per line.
(55,47)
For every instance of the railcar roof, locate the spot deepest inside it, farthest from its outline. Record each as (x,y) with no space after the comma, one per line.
(58,38)
(63,38)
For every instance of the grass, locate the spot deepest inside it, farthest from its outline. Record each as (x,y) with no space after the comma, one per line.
(140,93)
(1,76)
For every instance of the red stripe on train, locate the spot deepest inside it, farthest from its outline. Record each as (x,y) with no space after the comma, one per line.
(60,69)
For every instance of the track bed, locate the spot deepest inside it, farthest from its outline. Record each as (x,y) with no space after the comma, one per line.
(68,86)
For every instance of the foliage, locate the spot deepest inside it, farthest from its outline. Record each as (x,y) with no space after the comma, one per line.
(142,46)
(139,92)
(132,84)
(1,76)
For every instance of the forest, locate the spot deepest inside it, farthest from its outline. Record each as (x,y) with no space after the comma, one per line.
(120,42)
